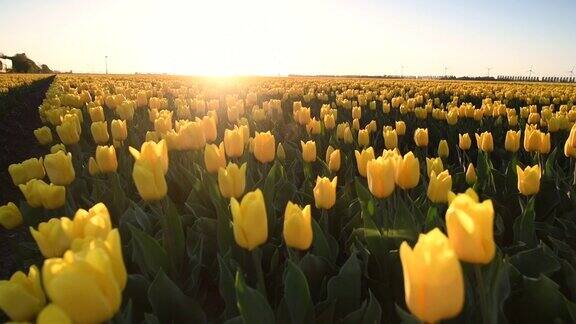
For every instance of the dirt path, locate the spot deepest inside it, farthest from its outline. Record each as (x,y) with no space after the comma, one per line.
(18,119)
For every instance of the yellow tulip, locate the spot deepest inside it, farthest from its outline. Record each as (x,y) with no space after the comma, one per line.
(363,158)
(443,150)
(149,180)
(380,173)
(348,139)
(119,130)
(96,114)
(308,151)
(434,164)
(553,124)
(52,314)
(544,143)
(528,180)
(214,157)
(10,216)
(407,171)
(356,112)
(334,161)
(532,139)
(245,129)
(210,130)
(325,192)
(314,126)
(464,141)
(485,142)
(569,150)
(329,121)
(513,120)
(68,132)
(100,132)
(87,282)
(126,110)
(53,237)
(471,177)
(26,171)
(280,153)
(469,224)
(155,153)
(93,168)
(264,147)
(512,141)
(106,159)
(363,138)
(234,142)
(439,186)
(163,124)
(43,135)
(452,117)
(232,180)
(390,139)
(92,223)
(400,127)
(59,168)
(433,280)
(39,194)
(22,297)
(421,137)
(192,136)
(297,229)
(249,220)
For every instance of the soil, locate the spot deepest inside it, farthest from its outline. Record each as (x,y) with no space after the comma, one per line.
(18,119)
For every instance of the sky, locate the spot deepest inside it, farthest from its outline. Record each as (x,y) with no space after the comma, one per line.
(272,37)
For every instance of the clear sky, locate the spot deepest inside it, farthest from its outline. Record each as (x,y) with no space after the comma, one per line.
(294,36)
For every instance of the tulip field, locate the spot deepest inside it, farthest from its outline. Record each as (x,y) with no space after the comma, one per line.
(172,199)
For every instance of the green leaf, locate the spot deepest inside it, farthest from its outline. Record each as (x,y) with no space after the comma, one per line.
(524,228)
(297,295)
(170,304)
(370,312)
(320,245)
(345,288)
(253,307)
(227,289)
(550,161)
(147,252)
(406,317)
(535,262)
(173,234)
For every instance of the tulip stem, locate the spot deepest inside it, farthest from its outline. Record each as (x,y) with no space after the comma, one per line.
(482,293)
(257,259)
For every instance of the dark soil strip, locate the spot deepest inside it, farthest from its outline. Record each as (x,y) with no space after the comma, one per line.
(18,119)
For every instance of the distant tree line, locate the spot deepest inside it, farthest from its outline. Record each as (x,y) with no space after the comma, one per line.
(449,77)
(22,64)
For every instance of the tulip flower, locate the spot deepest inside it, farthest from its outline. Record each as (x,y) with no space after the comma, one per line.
(363,158)
(363,138)
(249,220)
(471,177)
(400,128)
(59,168)
(329,121)
(10,216)
(53,237)
(106,159)
(155,153)
(297,230)
(22,297)
(264,147)
(485,142)
(356,112)
(443,150)
(149,179)
(347,136)
(87,282)
(544,143)
(53,314)
(234,142)
(355,124)
(39,194)
(569,150)
(100,132)
(163,124)
(232,180)
(464,141)
(325,192)
(93,168)
(214,157)
(529,180)
(439,186)
(119,130)
(58,147)
(191,135)
(380,173)
(43,135)
(314,126)
(308,151)
(390,139)
(334,161)
(68,132)
(434,164)
(210,130)
(469,224)
(26,171)
(532,139)
(421,137)
(96,114)
(407,171)
(92,223)
(433,280)
(280,153)
(512,141)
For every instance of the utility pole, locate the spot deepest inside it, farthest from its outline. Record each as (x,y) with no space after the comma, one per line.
(488,69)
(402,71)
(445,71)
(106,62)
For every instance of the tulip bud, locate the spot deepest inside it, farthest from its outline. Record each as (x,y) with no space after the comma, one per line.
(43,135)
(22,297)
(334,161)
(469,224)
(529,180)
(439,186)
(59,168)
(363,138)
(297,230)
(443,150)
(407,171)
(119,130)
(464,141)
(347,136)
(325,192)
(68,132)
(149,180)
(93,167)
(96,114)
(214,157)
(53,237)
(155,153)
(232,180)
(471,175)
(421,137)
(329,121)
(433,280)
(512,141)
(390,139)
(280,153)
(10,216)
(100,132)
(569,150)
(532,139)
(26,171)
(249,220)
(58,147)
(380,173)
(400,127)
(485,142)
(544,143)
(308,151)
(363,158)
(355,124)
(264,147)
(106,159)
(53,314)
(434,164)
(234,142)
